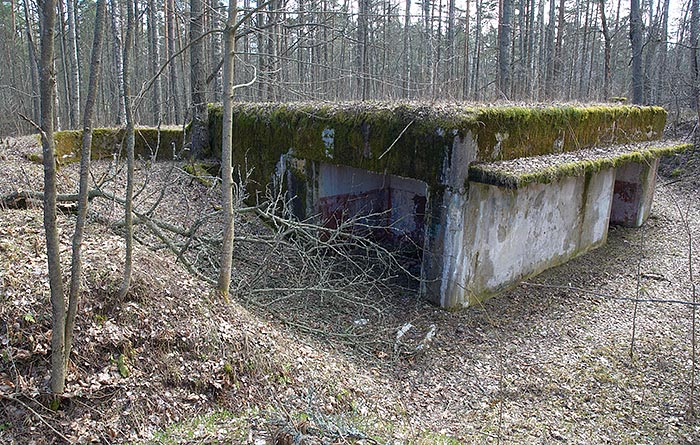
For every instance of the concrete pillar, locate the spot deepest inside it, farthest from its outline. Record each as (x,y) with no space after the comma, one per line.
(634,191)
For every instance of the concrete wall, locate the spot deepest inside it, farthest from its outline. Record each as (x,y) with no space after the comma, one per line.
(497,237)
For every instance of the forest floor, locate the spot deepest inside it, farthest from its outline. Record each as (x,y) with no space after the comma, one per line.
(549,362)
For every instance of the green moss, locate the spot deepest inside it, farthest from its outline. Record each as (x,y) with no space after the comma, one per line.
(487,174)
(36,158)
(676,172)
(203,173)
(416,140)
(148,143)
(513,132)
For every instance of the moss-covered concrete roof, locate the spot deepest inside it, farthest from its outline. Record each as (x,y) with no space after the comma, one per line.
(414,139)
(148,142)
(519,172)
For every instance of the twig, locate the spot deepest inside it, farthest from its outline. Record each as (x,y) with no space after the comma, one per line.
(38,416)
(396,140)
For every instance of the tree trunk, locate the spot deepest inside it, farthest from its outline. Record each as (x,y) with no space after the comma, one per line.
(530,48)
(47,91)
(450,42)
(362,50)
(636,41)
(154,62)
(465,80)
(226,155)
(406,51)
(661,66)
(476,90)
(549,54)
(170,31)
(118,50)
(650,46)
(33,68)
(608,50)
(504,32)
(558,49)
(129,199)
(76,260)
(694,62)
(200,133)
(74,74)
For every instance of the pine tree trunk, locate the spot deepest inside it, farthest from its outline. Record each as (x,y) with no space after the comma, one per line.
(504,32)
(154,62)
(465,80)
(694,62)
(406,51)
(33,68)
(636,42)
(608,49)
(174,90)
(200,133)
(118,62)
(74,84)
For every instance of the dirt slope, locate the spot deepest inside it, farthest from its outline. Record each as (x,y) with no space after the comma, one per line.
(546,363)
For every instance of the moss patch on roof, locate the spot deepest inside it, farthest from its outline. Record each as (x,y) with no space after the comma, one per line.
(414,139)
(544,169)
(148,142)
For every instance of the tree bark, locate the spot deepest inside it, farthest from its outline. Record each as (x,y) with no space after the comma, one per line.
(694,62)
(636,42)
(74,73)
(118,61)
(608,49)
(548,61)
(465,81)
(129,199)
(170,31)
(406,51)
(47,91)
(362,50)
(76,259)
(200,133)
(504,31)
(154,62)
(661,66)
(33,68)
(224,281)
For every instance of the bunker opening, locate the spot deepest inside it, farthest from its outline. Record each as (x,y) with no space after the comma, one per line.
(389,209)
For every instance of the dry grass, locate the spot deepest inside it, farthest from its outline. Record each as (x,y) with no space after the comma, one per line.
(544,363)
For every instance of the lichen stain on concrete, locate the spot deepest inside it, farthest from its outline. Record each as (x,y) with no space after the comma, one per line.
(328,137)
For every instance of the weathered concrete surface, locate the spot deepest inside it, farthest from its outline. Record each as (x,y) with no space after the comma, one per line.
(415,140)
(498,236)
(634,193)
(406,167)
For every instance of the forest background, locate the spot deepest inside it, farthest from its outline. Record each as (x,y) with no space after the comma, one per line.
(331,50)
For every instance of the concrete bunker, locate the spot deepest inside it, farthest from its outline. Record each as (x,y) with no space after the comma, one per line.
(492,195)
